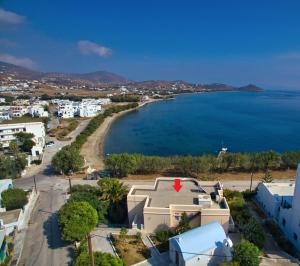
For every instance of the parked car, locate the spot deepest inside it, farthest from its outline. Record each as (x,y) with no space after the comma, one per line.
(104,173)
(50,143)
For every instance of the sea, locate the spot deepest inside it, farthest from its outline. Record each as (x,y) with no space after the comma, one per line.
(203,123)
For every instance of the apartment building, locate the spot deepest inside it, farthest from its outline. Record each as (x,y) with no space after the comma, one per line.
(280,201)
(86,108)
(159,206)
(37,111)
(18,110)
(8,131)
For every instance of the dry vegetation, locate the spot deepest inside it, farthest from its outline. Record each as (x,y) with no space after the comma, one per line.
(65,127)
(131,249)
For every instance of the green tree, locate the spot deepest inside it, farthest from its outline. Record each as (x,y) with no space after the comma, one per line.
(100,259)
(267,178)
(183,224)
(268,160)
(14,198)
(290,159)
(25,139)
(13,147)
(162,235)
(93,200)
(253,232)
(246,254)
(77,219)
(120,165)
(123,233)
(112,189)
(11,167)
(114,192)
(67,160)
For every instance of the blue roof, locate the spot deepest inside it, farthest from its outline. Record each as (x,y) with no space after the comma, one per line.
(199,240)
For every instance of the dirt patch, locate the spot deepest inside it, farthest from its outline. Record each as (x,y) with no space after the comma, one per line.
(65,127)
(131,249)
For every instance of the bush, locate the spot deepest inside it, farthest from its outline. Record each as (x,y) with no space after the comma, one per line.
(162,235)
(100,259)
(67,160)
(14,198)
(246,254)
(254,232)
(37,162)
(125,98)
(120,165)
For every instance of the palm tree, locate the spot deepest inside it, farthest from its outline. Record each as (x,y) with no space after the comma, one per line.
(112,190)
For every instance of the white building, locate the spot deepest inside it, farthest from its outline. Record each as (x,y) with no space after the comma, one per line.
(65,109)
(38,111)
(104,101)
(8,131)
(4,185)
(86,108)
(18,111)
(4,115)
(201,246)
(2,100)
(281,202)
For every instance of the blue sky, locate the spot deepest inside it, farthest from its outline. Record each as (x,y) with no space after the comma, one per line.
(236,42)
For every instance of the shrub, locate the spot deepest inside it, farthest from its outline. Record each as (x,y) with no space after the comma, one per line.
(14,198)
(100,259)
(246,254)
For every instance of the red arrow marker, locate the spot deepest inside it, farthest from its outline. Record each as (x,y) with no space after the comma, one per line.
(177,186)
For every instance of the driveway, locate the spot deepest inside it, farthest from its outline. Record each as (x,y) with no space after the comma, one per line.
(100,241)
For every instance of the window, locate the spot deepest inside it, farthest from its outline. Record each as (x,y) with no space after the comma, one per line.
(295,236)
(283,222)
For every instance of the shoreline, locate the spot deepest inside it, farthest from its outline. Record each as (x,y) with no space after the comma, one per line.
(93,149)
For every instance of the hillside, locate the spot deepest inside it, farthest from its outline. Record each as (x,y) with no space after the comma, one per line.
(105,79)
(92,78)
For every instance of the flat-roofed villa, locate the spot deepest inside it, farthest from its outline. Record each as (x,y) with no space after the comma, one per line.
(159,206)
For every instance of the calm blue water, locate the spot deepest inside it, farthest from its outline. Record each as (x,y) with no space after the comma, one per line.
(199,123)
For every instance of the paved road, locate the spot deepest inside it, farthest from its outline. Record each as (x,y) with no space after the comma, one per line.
(43,245)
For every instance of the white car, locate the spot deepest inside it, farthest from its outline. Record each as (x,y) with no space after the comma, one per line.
(50,144)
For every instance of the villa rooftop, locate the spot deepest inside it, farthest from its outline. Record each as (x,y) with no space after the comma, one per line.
(163,194)
(281,189)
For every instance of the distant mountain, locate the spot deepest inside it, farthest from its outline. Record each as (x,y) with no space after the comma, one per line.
(18,72)
(62,78)
(250,87)
(103,78)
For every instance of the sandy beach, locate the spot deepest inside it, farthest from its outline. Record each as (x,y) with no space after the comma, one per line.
(92,150)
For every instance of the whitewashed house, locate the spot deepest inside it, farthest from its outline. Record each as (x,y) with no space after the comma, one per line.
(38,111)
(4,115)
(281,202)
(18,110)
(8,131)
(65,109)
(2,100)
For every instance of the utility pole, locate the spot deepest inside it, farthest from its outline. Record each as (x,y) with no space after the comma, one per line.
(251,181)
(89,238)
(34,184)
(70,185)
